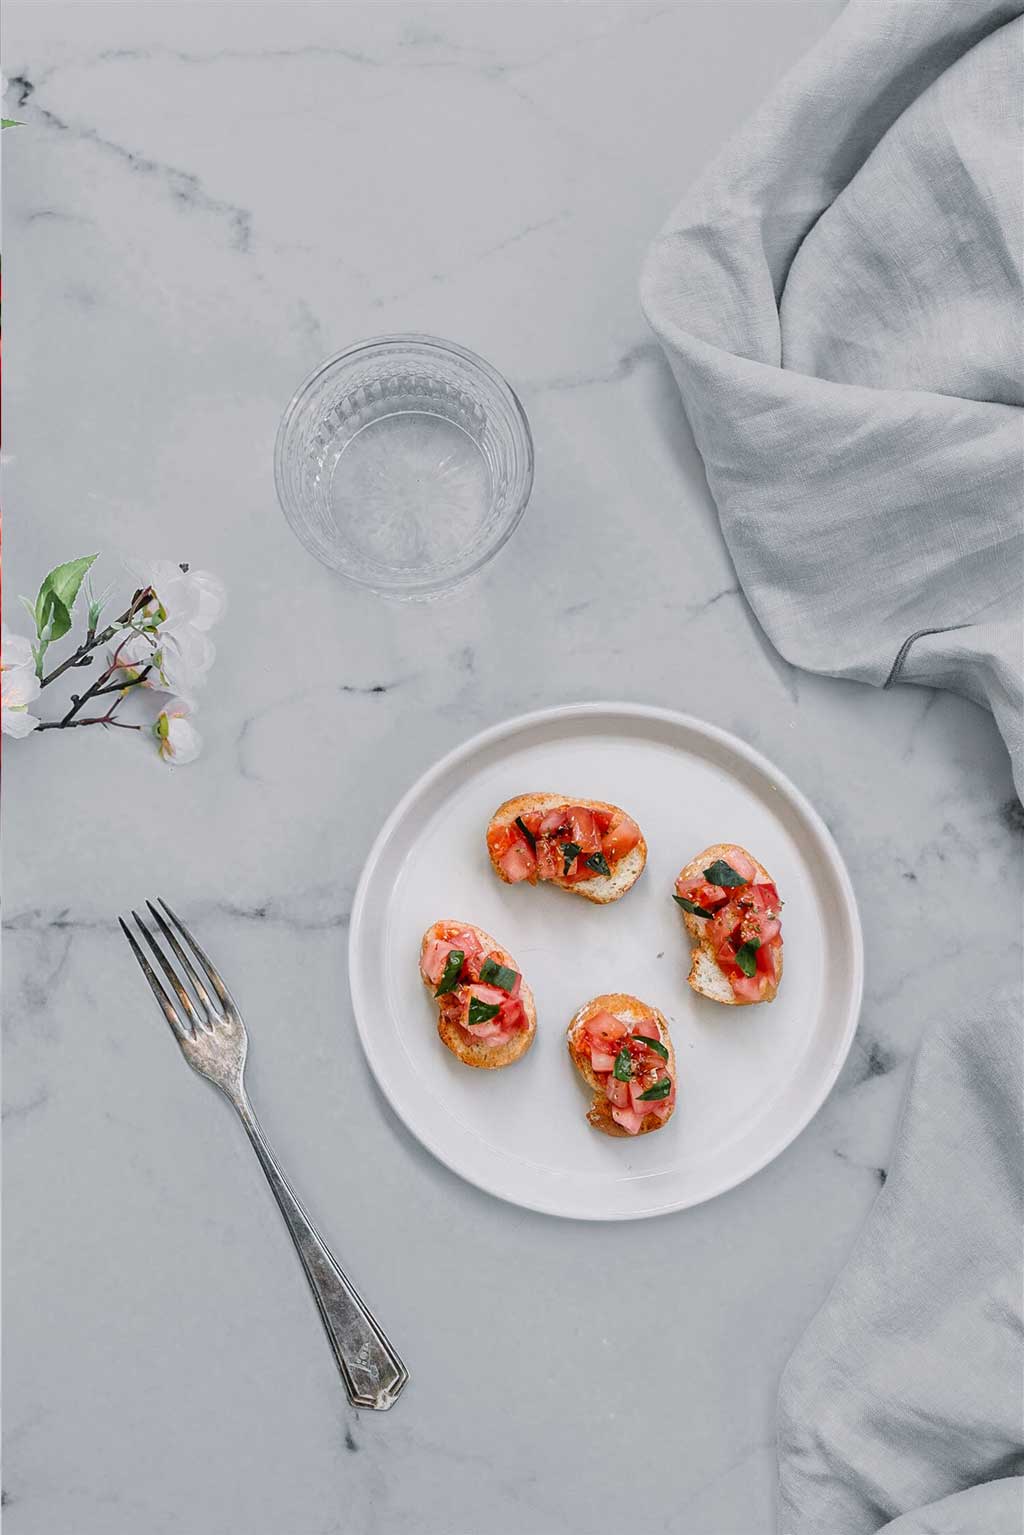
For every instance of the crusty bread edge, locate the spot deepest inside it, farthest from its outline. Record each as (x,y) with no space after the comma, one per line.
(621,1005)
(480,1053)
(696,927)
(605,888)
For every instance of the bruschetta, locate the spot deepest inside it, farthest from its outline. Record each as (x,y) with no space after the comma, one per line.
(584,845)
(732,912)
(621,1048)
(485,1010)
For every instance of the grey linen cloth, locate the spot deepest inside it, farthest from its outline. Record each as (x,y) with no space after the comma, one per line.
(902,1408)
(840,301)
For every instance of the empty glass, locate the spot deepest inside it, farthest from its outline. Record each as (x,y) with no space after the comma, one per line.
(404,463)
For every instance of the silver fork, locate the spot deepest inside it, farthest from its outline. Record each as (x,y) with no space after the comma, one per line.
(214,1042)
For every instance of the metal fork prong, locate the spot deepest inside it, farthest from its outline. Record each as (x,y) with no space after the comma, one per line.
(169,971)
(187,965)
(200,954)
(177,1027)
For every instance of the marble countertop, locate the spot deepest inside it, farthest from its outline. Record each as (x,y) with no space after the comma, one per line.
(204,201)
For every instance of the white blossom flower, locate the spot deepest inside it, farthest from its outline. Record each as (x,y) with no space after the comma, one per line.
(184,598)
(19,684)
(177,737)
(175,663)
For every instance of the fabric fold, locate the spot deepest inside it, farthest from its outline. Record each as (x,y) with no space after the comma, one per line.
(840,300)
(905,1397)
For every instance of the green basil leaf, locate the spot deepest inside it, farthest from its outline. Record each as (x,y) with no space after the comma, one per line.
(653,1044)
(599,863)
(659,1090)
(746,955)
(623,1068)
(570,852)
(691,906)
(482,1012)
(722,873)
(493,974)
(527,833)
(452,970)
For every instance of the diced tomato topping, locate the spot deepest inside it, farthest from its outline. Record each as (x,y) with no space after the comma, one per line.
(764,896)
(512,1015)
(454,1005)
(749,988)
(611,833)
(701,893)
(468,942)
(519,862)
(743,914)
(583,831)
(741,863)
(620,838)
(723,924)
(435,957)
(607,1036)
(549,860)
(617,1092)
(605,1029)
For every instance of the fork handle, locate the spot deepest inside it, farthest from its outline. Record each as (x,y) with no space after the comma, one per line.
(372,1371)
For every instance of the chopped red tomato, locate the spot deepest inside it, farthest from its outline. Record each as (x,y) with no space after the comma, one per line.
(620,837)
(519,863)
(607,1037)
(583,831)
(550,861)
(454,1004)
(744,929)
(539,852)
(435,957)
(739,861)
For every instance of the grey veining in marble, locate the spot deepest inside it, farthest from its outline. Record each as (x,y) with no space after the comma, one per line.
(204,201)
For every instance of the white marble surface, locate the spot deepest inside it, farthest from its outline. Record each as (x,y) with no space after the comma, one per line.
(203,202)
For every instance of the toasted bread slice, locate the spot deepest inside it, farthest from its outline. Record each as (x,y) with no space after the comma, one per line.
(481,1052)
(706,975)
(630,1010)
(603,888)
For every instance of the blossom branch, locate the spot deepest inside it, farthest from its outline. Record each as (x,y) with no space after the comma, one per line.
(83,655)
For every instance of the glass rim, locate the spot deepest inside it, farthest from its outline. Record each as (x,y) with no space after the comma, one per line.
(476,363)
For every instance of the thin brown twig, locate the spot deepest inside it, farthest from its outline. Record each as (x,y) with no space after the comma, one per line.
(99,719)
(121,687)
(82,656)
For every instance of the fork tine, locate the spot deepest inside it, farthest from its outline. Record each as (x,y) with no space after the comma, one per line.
(177,1027)
(170,972)
(186,964)
(203,958)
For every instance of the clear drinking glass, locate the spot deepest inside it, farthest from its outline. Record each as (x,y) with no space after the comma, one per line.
(404,463)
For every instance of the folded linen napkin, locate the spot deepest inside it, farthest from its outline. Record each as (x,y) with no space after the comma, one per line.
(840,301)
(903,1406)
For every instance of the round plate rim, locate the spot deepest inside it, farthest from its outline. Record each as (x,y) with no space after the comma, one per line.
(673,717)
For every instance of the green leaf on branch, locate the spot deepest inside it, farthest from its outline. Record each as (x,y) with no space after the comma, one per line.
(57,597)
(12,122)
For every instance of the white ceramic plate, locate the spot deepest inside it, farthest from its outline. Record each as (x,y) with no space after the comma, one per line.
(750,1078)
